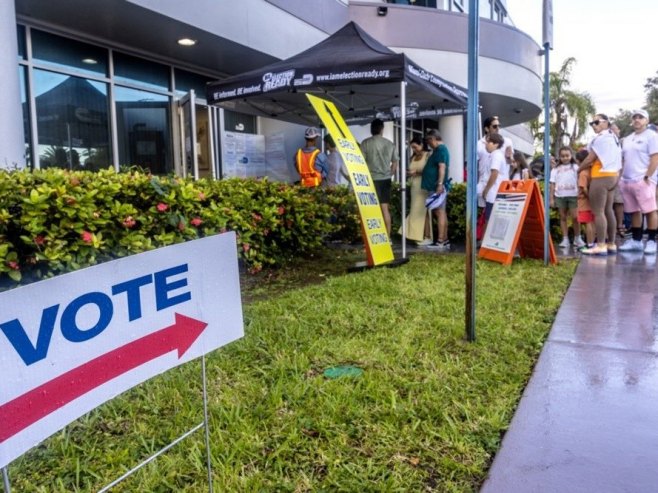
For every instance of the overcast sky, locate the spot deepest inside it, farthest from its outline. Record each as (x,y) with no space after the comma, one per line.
(614,42)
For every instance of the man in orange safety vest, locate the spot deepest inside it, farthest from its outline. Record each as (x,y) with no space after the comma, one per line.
(310,163)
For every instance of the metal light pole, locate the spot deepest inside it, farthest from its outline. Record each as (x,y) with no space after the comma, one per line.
(471,152)
(547,35)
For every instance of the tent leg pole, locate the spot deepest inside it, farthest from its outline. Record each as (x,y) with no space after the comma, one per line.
(403,163)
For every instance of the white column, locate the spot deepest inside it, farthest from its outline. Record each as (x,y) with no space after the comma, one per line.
(12,141)
(452,132)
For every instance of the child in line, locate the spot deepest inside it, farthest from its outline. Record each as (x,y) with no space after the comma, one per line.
(519,169)
(585,215)
(564,195)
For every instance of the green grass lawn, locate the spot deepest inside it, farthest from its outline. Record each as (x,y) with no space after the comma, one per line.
(427,413)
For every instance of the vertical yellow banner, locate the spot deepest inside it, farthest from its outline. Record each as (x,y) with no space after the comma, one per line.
(376,240)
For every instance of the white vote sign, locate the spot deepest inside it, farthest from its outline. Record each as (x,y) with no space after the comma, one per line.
(70,343)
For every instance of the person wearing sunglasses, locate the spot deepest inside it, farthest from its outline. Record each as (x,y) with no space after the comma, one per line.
(638,183)
(604,157)
(490,125)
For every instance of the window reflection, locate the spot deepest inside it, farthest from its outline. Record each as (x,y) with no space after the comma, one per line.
(143,130)
(72,121)
(187,80)
(140,71)
(67,53)
(20,32)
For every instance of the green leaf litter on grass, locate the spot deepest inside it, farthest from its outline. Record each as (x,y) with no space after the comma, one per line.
(427,415)
(343,371)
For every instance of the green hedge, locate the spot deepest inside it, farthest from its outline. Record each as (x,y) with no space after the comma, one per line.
(53,221)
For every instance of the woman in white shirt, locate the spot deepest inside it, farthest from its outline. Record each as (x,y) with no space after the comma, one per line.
(605,160)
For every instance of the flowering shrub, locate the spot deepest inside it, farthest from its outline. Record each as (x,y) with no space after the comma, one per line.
(53,220)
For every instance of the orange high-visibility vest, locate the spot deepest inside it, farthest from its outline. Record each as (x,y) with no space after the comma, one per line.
(305,162)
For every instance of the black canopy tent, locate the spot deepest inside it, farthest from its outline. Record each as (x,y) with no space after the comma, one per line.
(364,78)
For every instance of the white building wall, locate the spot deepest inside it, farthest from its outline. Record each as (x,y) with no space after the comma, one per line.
(12,148)
(452,132)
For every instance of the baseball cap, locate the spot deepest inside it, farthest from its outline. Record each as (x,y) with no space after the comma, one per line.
(311,133)
(642,113)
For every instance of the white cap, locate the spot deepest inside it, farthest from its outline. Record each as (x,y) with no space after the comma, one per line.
(311,133)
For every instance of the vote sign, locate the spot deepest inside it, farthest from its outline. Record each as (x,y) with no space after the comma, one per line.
(70,343)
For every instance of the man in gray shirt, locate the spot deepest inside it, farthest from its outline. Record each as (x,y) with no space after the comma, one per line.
(382,158)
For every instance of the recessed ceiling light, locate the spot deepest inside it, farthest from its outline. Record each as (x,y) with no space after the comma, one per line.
(89,61)
(187,42)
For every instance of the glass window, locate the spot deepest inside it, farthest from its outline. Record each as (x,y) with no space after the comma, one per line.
(239,122)
(144,130)
(22,50)
(140,71)
(188,80)
(72,121)
(67,53)
(26,114)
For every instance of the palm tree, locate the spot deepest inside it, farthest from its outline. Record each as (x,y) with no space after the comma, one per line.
(569,110)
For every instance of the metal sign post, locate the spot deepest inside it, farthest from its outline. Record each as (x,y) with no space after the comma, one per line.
(471,149)
(5,480)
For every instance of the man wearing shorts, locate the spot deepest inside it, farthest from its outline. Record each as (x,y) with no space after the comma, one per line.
(382,159)
(638,183)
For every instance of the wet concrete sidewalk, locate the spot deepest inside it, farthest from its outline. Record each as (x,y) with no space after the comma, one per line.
(588,419)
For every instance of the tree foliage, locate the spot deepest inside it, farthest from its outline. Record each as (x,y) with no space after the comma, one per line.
(569,110)
(651,99)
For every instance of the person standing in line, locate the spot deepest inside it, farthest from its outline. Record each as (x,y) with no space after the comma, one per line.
(310,162)
(604,158)
(618,200)
(498,171)
(564,196)
(435,174)
(519,169)
(585,215)
(491,125)
(418,227)
(337,174)
(382,159)
(638,183)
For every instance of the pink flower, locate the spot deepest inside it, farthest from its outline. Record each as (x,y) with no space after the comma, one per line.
(39,240)
(129,222)
(87,237)
(181,226)
(245,247)
(197,221)
(12,264)
(162,207)
(257,217)
(281,210)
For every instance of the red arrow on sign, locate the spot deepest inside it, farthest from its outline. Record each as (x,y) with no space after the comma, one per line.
(39,402)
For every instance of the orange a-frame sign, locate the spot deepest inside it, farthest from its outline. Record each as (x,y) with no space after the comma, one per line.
(517,221)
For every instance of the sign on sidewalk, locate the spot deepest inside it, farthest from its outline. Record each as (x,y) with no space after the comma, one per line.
(376,240)
(71,343)
(516,222)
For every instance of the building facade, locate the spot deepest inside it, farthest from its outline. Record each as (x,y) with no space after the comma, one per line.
(122,82)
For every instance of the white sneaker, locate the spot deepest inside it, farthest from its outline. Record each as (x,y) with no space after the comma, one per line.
(579,242)
(424,242)
(650,247)
(565,243)
(632,246)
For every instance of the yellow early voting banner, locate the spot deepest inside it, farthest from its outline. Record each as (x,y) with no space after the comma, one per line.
(377,242)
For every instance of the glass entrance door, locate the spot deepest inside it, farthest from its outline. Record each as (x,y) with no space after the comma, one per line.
(197,137)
